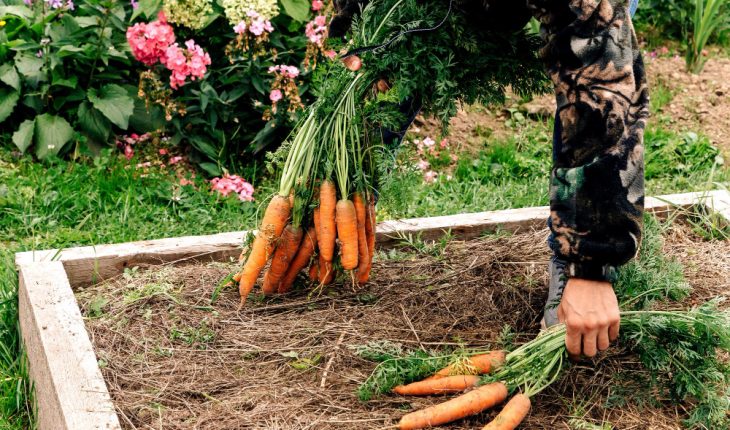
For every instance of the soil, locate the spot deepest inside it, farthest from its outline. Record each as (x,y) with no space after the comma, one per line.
(174,359)
(700,103)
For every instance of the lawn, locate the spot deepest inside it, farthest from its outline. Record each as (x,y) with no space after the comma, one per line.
(108,199)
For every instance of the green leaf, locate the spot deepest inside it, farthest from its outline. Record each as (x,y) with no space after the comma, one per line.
(147,7)
(8,101)
(114,102)
(143,120)
(93,123)
(20,11)
(23,137)
(297,9)
(10,76)
(52,133)
(86,21)
(211,168)
(29,66)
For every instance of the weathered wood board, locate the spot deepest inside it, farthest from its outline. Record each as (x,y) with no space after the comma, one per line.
(70,390)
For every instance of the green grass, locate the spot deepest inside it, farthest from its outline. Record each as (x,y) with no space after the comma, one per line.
(60,204)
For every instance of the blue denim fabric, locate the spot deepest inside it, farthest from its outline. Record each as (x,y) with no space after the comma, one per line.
(633,5)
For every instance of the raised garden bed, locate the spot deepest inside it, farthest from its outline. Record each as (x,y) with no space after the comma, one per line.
(172,358)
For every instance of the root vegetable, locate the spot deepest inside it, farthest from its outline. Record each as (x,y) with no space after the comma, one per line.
(428,387)
(471,403)
(272,226)
(314,270)
(327,207)
(480,364)
(363,276)
(362,244)
(284,254)
(300,261)
(347,233)
(326,272)
(514,412)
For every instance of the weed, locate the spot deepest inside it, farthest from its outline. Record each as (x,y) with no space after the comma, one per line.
(200,336)
(431,248)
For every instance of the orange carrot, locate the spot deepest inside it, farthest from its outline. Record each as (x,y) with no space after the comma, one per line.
(237,277)
(326,272)
(479,364)
(362,244)
(272,225)
(347,233)
(364,275)
(317,223)
(467,404)
(300,261)
(288,245)
(327,229)
(449,384)
(514,412)
(314,270)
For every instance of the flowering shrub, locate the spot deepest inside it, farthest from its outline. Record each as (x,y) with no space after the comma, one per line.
(203,67)
(233,184)
(434,159)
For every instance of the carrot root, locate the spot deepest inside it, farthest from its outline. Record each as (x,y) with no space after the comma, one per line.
(272,226)
(347,233)
(449,384)
(285,252)
(327,208)
(300,261)
(471,403)
(513,413)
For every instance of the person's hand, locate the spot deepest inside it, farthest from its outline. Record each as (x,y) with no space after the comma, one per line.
(591,315)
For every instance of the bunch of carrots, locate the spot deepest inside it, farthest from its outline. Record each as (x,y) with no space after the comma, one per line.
(490,377)
(323,217)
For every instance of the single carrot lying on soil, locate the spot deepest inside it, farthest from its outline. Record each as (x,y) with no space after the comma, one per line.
(446,385)
(300,261)
(471,403)
(272,226)
(347,233)
(514,412)
(327,229)
(284,254)
(362,244)
(479,364)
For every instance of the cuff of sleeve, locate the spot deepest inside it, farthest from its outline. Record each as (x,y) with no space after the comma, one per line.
(592,271)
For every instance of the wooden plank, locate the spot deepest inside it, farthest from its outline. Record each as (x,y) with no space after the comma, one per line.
(89,264)
(70,391)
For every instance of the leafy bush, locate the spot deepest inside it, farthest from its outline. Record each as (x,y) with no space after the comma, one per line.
(69,79)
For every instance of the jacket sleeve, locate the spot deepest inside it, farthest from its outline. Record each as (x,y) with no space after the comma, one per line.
(597,181)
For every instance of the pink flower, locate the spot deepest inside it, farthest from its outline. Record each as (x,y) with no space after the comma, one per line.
(444,143)
(149,42)
(233,184)
(163,151)
(331,54)
(240,28)
(320,21)
(430,176)
(275,96)
(190,62)
(428,142)
(317,5)
(423,165)
(256,27)
(174,160)
(185,181)
(144,165)
(292,71)
(128,152)
(252,14)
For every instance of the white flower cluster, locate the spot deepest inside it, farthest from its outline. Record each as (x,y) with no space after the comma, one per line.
(189,13)
(236,10)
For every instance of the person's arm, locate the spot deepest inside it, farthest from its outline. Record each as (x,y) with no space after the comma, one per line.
(597,182)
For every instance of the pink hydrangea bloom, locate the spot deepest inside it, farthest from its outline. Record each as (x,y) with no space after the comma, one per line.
(275,96)
(149,42)
(317,5)
(183,63)
(240,28)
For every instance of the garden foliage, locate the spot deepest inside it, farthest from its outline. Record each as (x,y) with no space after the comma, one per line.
(200,71)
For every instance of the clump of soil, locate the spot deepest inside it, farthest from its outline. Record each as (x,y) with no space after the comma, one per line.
(174,359)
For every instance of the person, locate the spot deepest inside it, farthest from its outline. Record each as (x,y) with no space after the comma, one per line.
(592,57)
